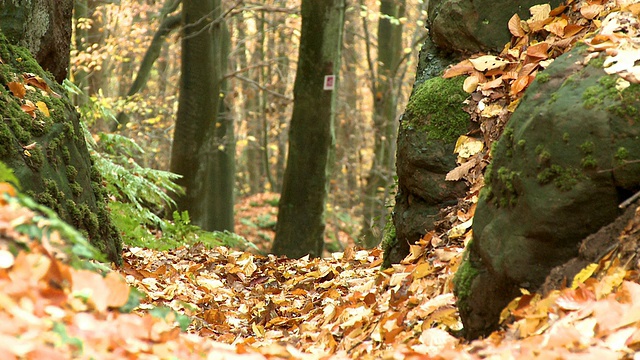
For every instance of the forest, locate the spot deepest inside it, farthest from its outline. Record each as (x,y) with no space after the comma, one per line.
(305,179)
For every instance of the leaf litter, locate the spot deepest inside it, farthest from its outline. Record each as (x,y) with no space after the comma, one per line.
(248,306)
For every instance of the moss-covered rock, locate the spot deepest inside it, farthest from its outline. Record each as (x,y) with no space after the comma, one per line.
(433,121)
(48,157)
(564,183)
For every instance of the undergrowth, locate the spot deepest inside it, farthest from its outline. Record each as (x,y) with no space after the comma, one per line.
(139,196)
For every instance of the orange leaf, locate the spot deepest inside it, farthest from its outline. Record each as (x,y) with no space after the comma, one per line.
(557,11)
(572,29)
(118,290)
(514,26)
(461,68)
(17,89)
(520,84)
(29,108)
(538,50)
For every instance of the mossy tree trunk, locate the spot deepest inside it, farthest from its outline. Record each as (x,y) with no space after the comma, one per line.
(300,227)
(44,28)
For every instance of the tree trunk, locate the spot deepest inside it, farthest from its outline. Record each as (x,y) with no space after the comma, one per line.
(221,162)
(44,28)
(300,227)
(380,176)
(198,104)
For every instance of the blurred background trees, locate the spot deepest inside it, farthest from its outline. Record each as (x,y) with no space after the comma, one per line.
(112,40)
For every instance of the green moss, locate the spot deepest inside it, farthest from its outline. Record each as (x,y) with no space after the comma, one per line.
(597,62)
(591,97)
(587,147)
(436,108)
(66,156)
(72,172)
(565,137)
(76,189)
(553,98)
(543,77)
(463,279)
(564,179)
(544,157)
(589,161)
(522,143)
(37,157)
(621,155)
(627,107)
(6,139)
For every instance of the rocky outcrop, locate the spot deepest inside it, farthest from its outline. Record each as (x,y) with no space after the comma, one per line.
(424,155)
(472,26)
(559,172)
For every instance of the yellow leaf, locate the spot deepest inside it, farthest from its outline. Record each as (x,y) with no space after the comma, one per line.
(488,62)
(540,12)
(470,84)
(467,146)
(422,270)
(43,108)
(583,275)
(459,230)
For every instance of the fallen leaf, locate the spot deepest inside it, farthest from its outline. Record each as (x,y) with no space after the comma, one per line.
(514,26)
(43,108)
(488,62)
(17,89)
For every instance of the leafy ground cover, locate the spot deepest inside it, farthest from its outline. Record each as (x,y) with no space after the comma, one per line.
(197,302)
(193,303)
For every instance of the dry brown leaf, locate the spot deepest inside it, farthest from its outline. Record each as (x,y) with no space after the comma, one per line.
(514,26)
(591,11)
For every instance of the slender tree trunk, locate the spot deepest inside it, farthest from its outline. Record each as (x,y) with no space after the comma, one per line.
(255,131)
(198,104)
(81,14)
(300,228)
(221,163)
(385,100)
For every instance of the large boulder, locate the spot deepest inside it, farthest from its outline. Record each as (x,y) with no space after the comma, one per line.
(559,172)
(42,141)
(476,25)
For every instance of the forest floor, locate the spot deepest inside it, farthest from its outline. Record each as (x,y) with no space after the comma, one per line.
(198,303)
(237,305)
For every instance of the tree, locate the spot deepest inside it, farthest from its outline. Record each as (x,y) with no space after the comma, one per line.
(201,150)
(382,80)
(300,226)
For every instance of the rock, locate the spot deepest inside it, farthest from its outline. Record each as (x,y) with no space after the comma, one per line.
(558,174)
(426,138)
(48,152)
(476,25)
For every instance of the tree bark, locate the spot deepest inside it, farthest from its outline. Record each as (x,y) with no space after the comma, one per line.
(44,28)
(300,227)
(198,104)
(380,177)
